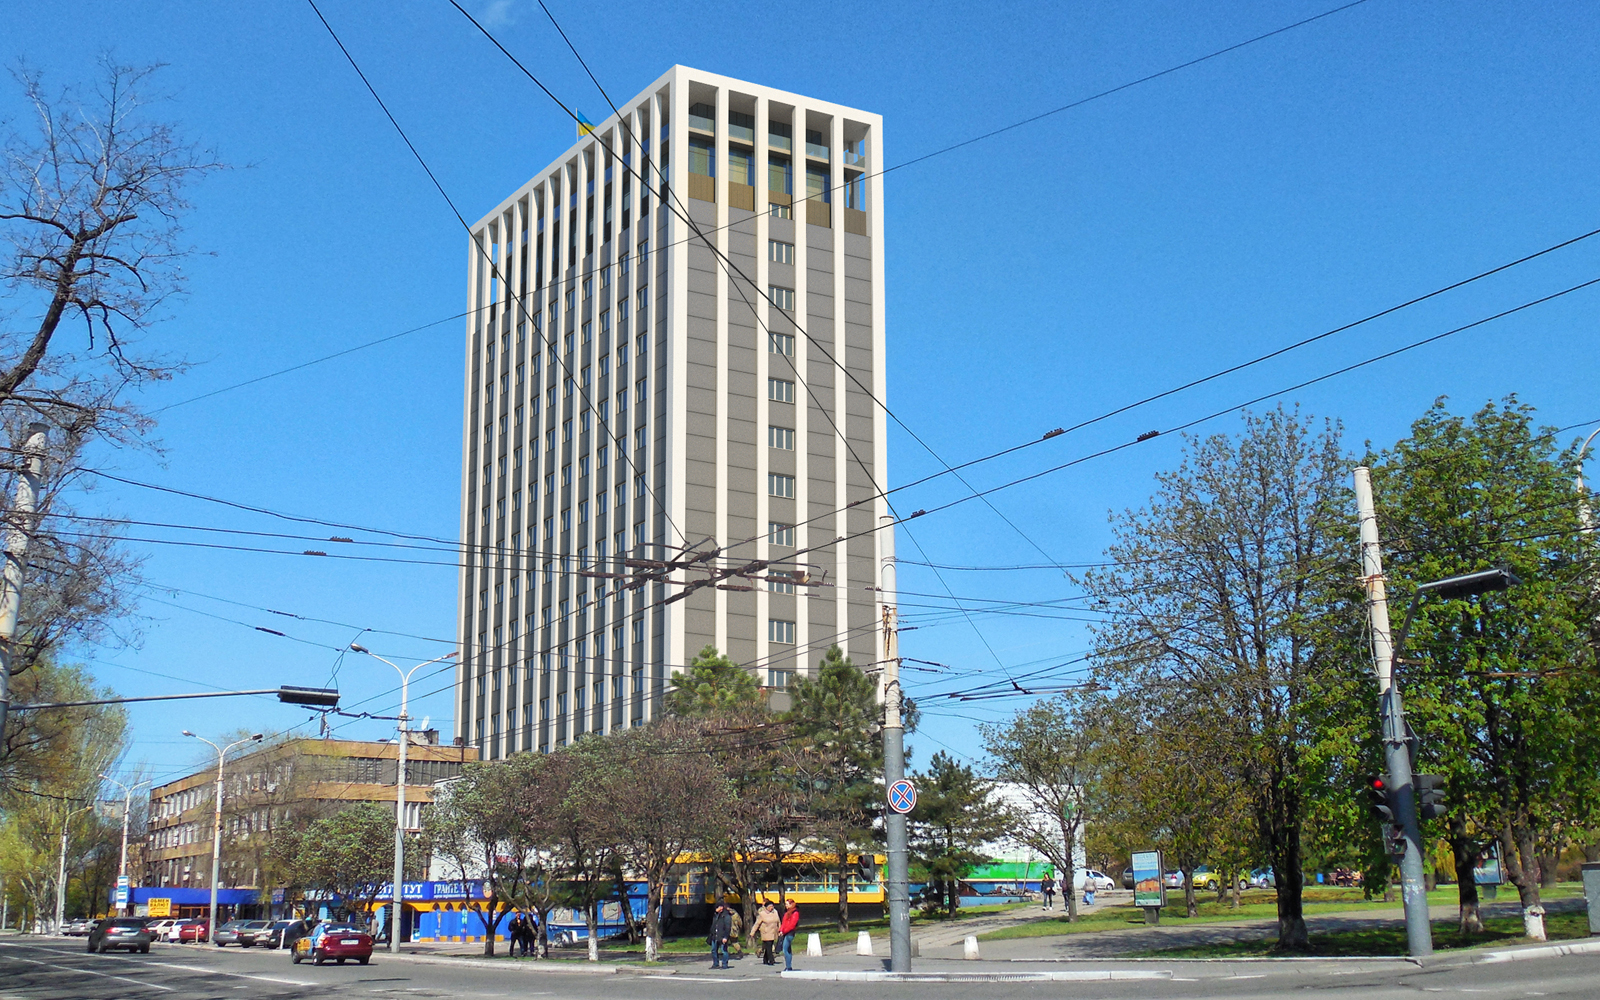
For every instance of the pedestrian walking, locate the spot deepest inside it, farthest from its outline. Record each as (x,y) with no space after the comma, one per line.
(786,931)
(1047,888)
(765,927)
(721,932)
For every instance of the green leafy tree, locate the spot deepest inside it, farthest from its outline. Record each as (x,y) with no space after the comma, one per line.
(955,816)
(713,683)
(582,841)
(1500,686)
(837,725)
(665,797)
(351,855)
(1166,783)
(1052,751)
(476,831)
(1235,589)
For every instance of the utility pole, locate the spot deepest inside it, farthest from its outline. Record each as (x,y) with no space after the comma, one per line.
(23,508)
(398,883)
(898,876)
(122,865)
(61,872)
(216,826)
(1396,745)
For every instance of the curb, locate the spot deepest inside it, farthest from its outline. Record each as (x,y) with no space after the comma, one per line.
(1241,958)
(1538,951)
(555,967)
(1075,976)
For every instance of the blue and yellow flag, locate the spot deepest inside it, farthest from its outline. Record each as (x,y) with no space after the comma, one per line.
(585,126)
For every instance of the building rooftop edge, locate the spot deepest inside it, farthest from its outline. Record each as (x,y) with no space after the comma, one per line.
(706,76)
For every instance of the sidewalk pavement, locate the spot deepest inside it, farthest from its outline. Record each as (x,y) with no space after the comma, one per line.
(1178,934)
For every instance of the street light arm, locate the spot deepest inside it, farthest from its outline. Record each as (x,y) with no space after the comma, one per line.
(1405,627)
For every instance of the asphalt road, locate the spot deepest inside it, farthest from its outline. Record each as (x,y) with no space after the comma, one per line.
(45,969)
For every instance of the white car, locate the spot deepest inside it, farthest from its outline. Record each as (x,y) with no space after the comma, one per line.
(1088,878)
(160,928)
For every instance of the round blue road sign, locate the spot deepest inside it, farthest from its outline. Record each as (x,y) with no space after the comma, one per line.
(902,796)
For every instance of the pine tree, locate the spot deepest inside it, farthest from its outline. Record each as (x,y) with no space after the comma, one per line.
(954,818)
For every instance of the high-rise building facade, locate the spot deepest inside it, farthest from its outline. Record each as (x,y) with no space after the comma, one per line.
(673,434)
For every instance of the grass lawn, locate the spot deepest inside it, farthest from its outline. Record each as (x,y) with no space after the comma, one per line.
(1255,904)
(1392,940)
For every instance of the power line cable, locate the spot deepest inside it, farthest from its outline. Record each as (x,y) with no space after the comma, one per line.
(603,421)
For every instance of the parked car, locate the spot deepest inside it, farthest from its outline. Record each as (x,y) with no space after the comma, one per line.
(160,928)
(1261,878)
(251,932)
(335,942)
(191,931)
(1088,878)
(1127,877)
(284,933)
(131,933)
(1206,878)
(78,928)
(1173,879)
(228,933)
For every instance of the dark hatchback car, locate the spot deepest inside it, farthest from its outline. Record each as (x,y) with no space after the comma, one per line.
(282,933)
(132,933)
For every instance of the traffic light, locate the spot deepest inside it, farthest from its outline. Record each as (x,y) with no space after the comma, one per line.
(291,694)
(1380,800)
(1394,840)
(1430,795)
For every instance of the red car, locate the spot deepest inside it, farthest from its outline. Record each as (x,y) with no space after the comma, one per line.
(336,942)
(191,931)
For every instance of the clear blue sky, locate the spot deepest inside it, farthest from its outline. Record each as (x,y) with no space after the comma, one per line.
(1034,279)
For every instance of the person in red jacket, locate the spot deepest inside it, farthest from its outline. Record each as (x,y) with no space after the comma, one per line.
(786,930)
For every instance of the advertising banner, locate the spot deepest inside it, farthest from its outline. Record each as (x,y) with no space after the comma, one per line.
(1488,871)
(159,908)
(1148,889)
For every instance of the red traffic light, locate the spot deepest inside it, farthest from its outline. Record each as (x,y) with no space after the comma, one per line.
(1377,784)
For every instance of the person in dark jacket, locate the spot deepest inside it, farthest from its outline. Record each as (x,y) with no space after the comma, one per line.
(514,932)
(720,937)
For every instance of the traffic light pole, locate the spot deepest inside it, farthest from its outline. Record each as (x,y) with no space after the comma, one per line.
(1397,753)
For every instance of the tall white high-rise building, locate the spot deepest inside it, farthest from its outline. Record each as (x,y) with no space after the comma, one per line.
(674,371)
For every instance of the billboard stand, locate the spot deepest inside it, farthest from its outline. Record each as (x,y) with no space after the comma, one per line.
(1149,889)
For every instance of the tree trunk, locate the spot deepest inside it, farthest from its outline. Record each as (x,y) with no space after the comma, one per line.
(1191,906)
(654,892)
(1547,871)
(1466,857)
(1068,884)
(1521,862)
(1292,933)
(542,939)
(844,892)
(491,924)
(1233,888)
(591,920)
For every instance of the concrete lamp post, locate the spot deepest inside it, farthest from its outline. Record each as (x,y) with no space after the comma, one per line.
(216,827)
(400,788)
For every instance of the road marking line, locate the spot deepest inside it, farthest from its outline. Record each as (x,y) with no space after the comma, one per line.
(91,972)
(1259,976)
(240,975)
(700,979)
